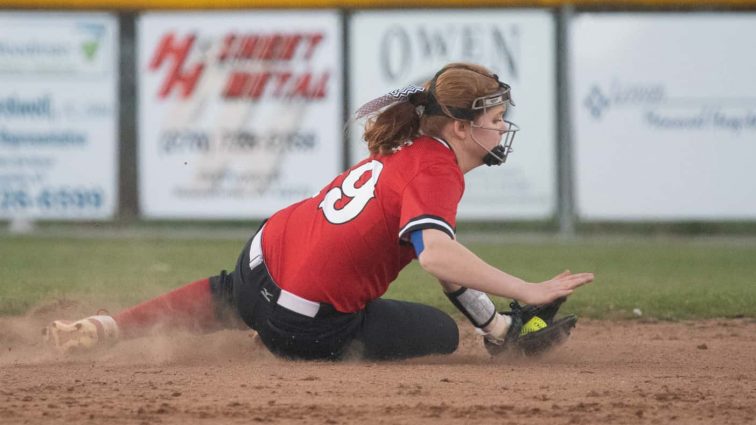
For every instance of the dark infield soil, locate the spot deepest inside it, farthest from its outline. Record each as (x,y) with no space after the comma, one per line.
(630,372)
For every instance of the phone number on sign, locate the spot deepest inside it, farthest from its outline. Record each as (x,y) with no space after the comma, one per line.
(54,199)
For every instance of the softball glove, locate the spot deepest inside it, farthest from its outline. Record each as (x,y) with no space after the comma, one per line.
(534,330)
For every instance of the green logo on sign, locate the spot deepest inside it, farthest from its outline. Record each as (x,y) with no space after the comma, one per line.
(90,49)
(92,35)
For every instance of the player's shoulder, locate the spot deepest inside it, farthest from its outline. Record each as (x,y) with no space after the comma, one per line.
(424,156)
(437,154)
(433,144)
(417,156)
(423,151)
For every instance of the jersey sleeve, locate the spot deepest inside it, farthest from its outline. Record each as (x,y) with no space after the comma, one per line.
(430,200)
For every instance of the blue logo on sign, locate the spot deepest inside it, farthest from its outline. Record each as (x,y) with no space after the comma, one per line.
(596,102)
(663,112)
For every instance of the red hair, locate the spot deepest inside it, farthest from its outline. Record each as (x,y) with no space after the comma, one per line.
(456,85)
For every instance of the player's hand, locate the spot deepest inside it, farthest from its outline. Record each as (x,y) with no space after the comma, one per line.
(559,286)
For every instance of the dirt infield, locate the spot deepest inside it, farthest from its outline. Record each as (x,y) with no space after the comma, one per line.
(608,373)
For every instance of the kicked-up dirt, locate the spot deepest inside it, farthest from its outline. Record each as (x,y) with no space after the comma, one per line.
(628,372)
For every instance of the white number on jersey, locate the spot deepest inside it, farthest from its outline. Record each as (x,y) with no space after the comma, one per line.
(360,196)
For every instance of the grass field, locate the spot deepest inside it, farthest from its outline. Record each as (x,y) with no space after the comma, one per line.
(666,278)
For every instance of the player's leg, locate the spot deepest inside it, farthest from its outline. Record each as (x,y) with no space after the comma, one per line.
(202,306)
(384,330)
(398,329)
(287,333)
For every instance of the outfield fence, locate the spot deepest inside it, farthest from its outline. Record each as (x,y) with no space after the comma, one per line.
(641,114)
(364,4)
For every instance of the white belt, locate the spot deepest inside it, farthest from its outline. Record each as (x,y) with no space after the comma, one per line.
(286,299)
(298,304)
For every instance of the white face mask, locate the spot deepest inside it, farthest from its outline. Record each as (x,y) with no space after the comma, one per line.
(498,154)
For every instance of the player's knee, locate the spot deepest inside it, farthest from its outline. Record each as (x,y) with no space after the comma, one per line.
(396,329)
(222,289)
(447,340)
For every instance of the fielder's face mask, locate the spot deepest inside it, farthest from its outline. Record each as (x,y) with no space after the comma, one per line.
(497,155)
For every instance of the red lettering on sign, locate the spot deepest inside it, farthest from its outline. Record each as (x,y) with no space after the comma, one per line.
(281,80)
(320,88)
(313,40)
(255,85)
(228,42)
(177,77)
(290,46)
(269,47)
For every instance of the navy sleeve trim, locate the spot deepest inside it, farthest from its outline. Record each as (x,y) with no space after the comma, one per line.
(426,222)
(416,238)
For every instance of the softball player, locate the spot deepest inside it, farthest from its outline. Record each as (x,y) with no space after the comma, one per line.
(310,279)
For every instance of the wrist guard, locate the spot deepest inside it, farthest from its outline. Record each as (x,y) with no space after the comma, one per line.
(475,305)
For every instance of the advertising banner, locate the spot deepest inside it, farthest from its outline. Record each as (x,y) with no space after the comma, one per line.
(239,113)
(391,49)
(665,116)
(58,116)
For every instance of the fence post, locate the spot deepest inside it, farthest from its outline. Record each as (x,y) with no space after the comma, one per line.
(565,163)
(128,196)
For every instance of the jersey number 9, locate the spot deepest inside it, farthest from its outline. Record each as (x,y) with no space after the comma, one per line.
(359,196)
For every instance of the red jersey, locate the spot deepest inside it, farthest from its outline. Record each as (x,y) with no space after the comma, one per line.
(345,245)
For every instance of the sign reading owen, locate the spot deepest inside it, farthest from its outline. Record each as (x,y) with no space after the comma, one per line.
(391,49)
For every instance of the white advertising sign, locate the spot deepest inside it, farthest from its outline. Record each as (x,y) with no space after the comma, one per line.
(391,49)
(239,113)
(665,116)
(58,116)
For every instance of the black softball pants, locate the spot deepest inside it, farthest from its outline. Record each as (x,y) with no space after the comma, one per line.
(384,330)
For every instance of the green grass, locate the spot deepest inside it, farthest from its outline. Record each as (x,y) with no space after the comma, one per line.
(669,279)
(666,278)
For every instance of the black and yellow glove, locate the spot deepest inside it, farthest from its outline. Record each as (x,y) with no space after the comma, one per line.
(534,330)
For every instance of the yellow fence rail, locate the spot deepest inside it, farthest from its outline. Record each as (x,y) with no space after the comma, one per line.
(308,4)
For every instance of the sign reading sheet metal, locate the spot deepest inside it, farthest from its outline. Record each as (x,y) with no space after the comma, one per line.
(240,113)
(58,116)
(665,109)
(391,49)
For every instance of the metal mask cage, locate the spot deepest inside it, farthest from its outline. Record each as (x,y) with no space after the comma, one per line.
(498,155)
